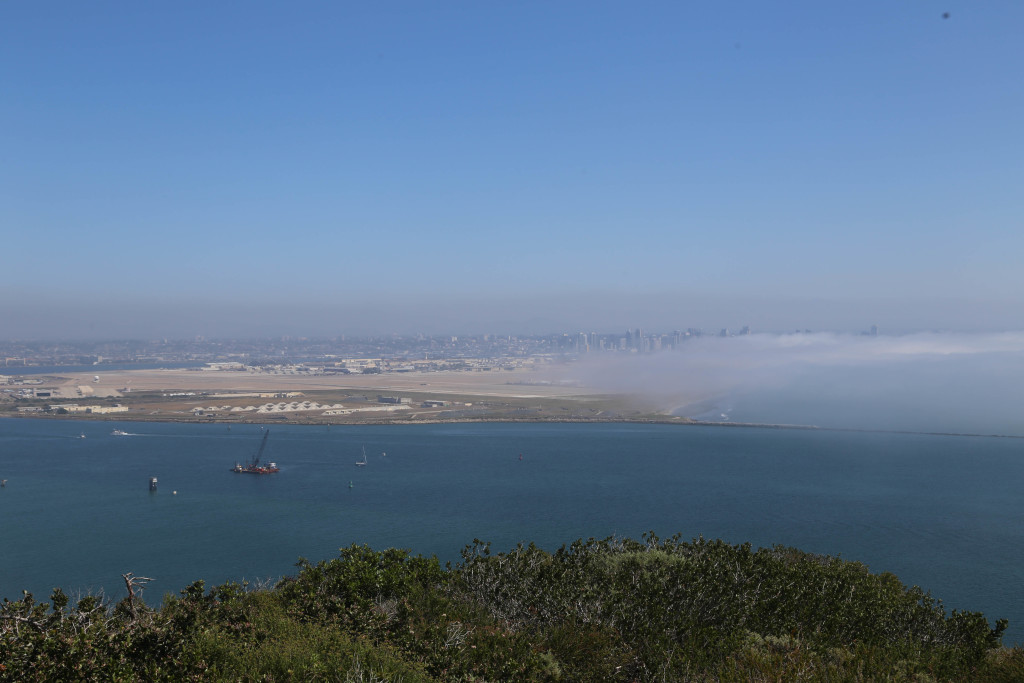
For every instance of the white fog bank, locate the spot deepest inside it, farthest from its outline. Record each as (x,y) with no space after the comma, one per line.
(936,382)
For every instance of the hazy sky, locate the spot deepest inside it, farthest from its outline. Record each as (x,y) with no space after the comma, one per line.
(220,168)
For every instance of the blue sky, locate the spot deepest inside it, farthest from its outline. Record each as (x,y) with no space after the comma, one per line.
(173,169)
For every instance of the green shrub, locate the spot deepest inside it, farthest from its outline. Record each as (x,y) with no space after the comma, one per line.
(595,610)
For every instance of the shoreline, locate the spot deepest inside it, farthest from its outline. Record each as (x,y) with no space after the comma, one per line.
(522,396)
(667,420)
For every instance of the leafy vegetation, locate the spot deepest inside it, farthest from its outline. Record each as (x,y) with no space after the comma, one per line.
(597,610)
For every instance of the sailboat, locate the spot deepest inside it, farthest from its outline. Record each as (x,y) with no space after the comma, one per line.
(362,463)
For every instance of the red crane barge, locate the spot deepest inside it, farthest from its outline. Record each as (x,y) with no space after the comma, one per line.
(254,466)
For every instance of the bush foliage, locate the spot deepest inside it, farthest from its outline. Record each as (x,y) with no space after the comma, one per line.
(596,610)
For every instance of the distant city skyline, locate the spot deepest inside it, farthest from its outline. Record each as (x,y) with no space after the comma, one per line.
(316,170)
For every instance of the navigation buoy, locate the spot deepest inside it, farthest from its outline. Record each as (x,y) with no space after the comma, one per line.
(349,484)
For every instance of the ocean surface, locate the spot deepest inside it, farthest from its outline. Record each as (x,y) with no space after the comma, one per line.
(942,512)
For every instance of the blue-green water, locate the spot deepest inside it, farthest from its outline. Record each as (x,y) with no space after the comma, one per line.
(946,513)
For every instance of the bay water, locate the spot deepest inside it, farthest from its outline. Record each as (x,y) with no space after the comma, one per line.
(942,512)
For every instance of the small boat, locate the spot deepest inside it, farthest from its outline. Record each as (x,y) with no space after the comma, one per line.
(118,432)
(254,466)
(362,463)
(82,435)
